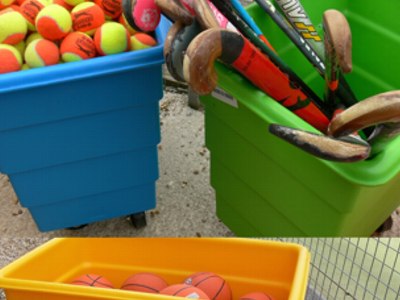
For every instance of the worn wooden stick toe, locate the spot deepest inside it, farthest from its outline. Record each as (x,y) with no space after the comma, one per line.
(175,11)
(378,109)
(340,150)
(338,57)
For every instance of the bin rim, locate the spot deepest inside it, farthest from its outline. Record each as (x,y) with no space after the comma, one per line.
(298,285)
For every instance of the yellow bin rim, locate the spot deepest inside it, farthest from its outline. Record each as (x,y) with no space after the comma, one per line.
(21,275)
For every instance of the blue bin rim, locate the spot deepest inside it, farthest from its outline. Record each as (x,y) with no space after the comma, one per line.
(97,66)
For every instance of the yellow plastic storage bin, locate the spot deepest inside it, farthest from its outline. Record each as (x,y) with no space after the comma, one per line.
(280,269)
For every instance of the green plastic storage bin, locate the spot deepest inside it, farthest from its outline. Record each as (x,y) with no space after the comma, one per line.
(267,187)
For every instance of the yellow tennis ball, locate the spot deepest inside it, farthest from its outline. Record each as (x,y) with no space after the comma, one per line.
(53,22)
(25,67)
(13,27)
(20,47)
(141,40)
(10,59)
(33,36)
(74,2)
(30,9)
(41,52)
(111,38)
(87,17)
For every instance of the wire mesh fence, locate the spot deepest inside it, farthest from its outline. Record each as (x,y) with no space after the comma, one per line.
(353,268)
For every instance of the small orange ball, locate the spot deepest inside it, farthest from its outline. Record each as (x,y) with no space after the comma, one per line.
(10,59)
(30,9)
(77,46)
(112,8)
(53,22)
(87,17)
(141,40)
(41,52)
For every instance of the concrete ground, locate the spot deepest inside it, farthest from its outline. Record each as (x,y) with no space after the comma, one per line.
(185,199)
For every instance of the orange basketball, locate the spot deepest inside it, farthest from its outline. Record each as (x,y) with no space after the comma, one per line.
(144,282)
(212,284)
(256,296)
(93,280)
(185,291)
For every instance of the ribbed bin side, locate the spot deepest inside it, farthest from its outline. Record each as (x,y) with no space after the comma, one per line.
(276,201)
(243,126)
(87,177)
(75,139)
(64,98)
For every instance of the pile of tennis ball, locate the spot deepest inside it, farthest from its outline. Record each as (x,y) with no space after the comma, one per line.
(38,33)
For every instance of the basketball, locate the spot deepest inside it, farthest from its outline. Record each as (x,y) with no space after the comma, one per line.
(144,282)
(93,280)
(185,291)
(212,284)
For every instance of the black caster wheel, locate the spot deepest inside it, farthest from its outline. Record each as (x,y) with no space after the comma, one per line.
(77,227)
(138,220)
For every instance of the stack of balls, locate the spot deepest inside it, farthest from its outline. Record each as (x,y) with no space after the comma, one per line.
(200,285)
(37,33)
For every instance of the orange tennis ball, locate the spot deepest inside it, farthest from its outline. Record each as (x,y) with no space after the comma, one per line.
(212,284)
(53,22)
(20,47)
(112,38)
(93,280)
(87,17)
(13,27)
(144,282)
(185,291)
(77,46)
(112,8)
(30,9)
(142,40)
(10,59)
(256,296)
(41,52)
